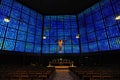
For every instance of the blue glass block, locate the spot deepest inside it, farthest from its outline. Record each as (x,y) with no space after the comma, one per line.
(68,48)
(7,2)
(90,28)
(74,25)
(60,37)
(20,46)
(115,43)
(53,32)
(33,13)
(101,34)
(66,26)
(32,21)
(53,25)
(31,29)
(37,48)
(39,17)
(74,32)
(87,12)
(53,49)
(46,41)
(23,26)
(95,7)
(113,31)
(76,49)
(60,32)
(46,33)
(5,10)
(26,10)
(11,33)
(109,21)
(21,36)
(1,43)
(80,15)
(103,45)
(9,44)
(93,47)
(45,49)
(39,23)
(116,8)
(81,20)
(99,24)
(38,31)
(75,40)
(25,18)
(83,30)
(73,17)
(53,40)
(97,16)
(38,39)
(29,47)
(84,48)
(15,14)
(107,11)
(89,19)
(83,38)
(67,32)
(91,37)
(105,3)
(68,40)
(2,30)
(17,5)
(115,1)
(30,38)
(2,22)
(13,23)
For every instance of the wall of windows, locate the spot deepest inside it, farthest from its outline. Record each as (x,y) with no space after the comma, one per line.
(23,32)
(99,31)
(62,27)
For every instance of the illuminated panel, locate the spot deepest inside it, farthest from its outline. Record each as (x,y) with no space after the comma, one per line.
(84,47)
(103,45)
(24,31)
(2,30)
(115,43)
(21,36)
(93,47)
(29,47)
(113,31)
(20,46)
(100,31)
(9,44)
(1,42)
(11,33)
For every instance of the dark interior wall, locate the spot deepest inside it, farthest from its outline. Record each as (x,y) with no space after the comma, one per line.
(100,59)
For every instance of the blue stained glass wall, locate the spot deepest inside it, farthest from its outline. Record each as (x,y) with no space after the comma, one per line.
(23,32)
(99,31)
(60,27)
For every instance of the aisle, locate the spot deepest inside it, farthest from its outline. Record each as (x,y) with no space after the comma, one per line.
(63,75)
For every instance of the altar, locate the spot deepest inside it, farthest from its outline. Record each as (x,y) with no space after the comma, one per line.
(61,63)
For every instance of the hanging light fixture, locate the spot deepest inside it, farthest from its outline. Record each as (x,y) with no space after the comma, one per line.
(117,17)
(44,37)
(78,36)
(7,19)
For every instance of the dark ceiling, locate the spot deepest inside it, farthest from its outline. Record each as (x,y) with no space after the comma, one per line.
(58,6)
